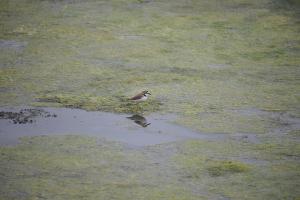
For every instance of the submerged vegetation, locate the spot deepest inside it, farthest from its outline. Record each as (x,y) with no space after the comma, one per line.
(76,167)
(80,167)
(242,170)
(228,66)
(223,167)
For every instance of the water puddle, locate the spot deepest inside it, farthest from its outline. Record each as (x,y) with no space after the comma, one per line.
(133,130)
(12,45)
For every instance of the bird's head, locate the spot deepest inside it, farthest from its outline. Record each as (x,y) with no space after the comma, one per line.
(145,92)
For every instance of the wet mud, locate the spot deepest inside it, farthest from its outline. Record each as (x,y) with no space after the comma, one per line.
(24,116)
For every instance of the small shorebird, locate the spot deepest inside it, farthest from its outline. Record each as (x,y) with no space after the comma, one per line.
(143,96)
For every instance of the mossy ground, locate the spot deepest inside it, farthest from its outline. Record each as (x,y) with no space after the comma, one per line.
(195,57)
(118,104)
(242,170)
(206,61)
(75,167)
(78,167)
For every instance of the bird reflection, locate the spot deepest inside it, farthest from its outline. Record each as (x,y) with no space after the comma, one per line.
(140,120)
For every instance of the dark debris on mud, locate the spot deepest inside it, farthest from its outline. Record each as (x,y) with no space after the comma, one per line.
(25,116)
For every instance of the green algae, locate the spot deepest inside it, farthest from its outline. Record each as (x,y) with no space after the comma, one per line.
(223,167)
(117,104)
(237,170)
(83,167)
(194,56)
(210,161)
(77,167)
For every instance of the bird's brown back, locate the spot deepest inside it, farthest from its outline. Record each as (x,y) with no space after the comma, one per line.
(138,96)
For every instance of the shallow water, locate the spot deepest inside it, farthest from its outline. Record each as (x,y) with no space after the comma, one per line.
(12,45)
(133,130)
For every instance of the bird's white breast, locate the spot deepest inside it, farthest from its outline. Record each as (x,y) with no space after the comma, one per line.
(144,98)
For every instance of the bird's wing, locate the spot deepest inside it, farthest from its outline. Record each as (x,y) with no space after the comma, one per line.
(138,96)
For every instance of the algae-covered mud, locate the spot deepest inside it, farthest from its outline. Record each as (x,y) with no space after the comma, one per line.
(204,60)
(79,167)
(227,68)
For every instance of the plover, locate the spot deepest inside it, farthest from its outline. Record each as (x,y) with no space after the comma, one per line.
(143,96)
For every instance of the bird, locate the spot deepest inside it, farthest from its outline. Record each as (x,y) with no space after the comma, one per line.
(140,120)
(143,96)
